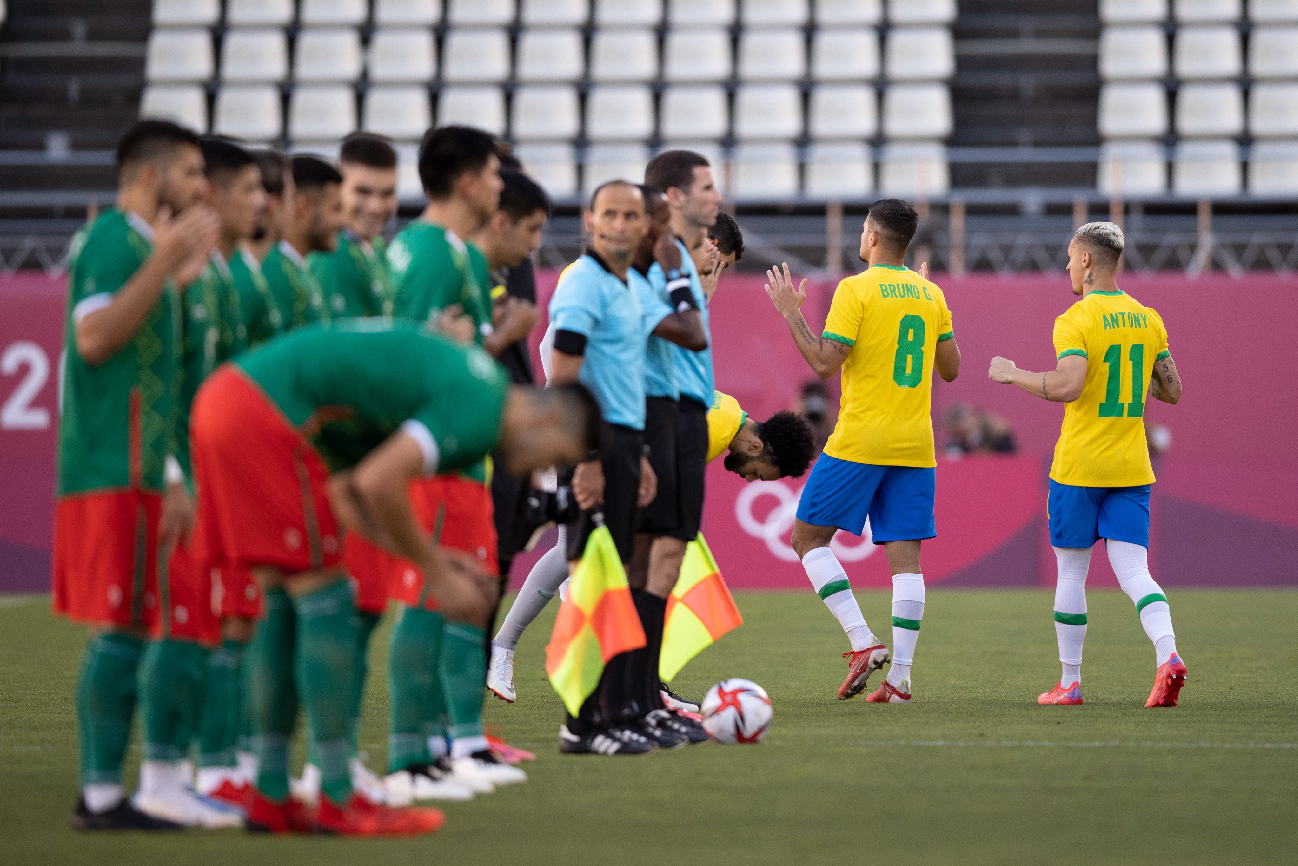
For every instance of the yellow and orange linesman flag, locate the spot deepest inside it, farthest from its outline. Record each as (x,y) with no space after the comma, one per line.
(699,610)
(597,621)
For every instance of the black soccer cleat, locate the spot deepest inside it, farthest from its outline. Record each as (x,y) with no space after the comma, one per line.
(675,702)
(123,816)
(611,741)
(691,730)
(660,731)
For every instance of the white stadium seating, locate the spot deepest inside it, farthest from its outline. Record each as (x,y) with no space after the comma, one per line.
(480,106)
(709,150)
(1208,52)
(184,103)
(397,111)
(334,12)
(554,12)
(838,170)
(254,55)
(1206,168)
(919,54)
(1209,110)
(1273,169)
(179,55)
(913,170)
(834,12)
(243,13)
(846,53)
(614,162)
(1132,110)
(765,171)
(476,55)
(479,12)
(553,166)
(321,113)
(1273,11)
(843,111)
(390,13)
(774,13)
(619,113)
(1201,11)
(698,54)
(1273,52)
(772,54)
(545,113)
(252,112)
(1133,52)
(620,13)
(1273,110)
(172,13)
(409,187)
(693,13)
(401,55)
(768,111)
(1132,11)
(551,54)
(624,55)
(1132,168)
(327,54)
(693,112)
(921,11)
(917,111)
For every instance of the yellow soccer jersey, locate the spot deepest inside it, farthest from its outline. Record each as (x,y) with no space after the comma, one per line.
(893,319)
(1102,443)
(725,420)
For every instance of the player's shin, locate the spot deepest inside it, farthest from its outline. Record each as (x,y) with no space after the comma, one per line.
(541,585)
(219,730)
(272,693)
(653,613)
(413,652)
(907,614)
(830,582)
(326,663)
(1070,610)
(172,678)
(1131,564)
(105,706)
(366,622)
(464,676)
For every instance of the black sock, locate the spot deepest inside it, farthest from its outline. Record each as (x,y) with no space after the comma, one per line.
(653,611)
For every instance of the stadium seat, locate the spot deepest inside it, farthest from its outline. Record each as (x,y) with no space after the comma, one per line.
(552,54)
(839,170)
(252,112)
(913,170)
(483,107)
(179,55)
(1273,11)
(709,150)
(843,111)
(1209,110)
(624,55)
(698,54)
(1202,11)
(553,166)
(620,113)
(1273,169)
(836,12)
(242,13)
(321,112)
(425,13)
(404,54)
(614,162)
(768,111)
(549,13)
(1206,168)
(185,104)
(1271,52)
(624,13)
(765,171)
(254,55)
(172,13)
(1273,110)
(694,112)
(1132,110)
(917,111)
(479,55)
(1133,52)
(461,13)
(919,54)
(1207,52)
(774,13)
(545,112)
(1133,11)
(1132,168)
(400,112)
(693,13)
(334,12)
(772,54)
(921,11)
(850,53)
(327,54)
(409,187)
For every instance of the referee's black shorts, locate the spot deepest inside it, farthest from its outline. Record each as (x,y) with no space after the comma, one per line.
(660,431)
(620,457)
(691,467)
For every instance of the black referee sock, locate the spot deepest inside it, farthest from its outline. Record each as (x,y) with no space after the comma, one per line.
(653,612)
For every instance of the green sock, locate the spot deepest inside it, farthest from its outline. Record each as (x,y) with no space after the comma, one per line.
(412,673)
(272,694)
(172,677)
(326,666)
(106,705)
(219,728)
(366,622)
(464,675)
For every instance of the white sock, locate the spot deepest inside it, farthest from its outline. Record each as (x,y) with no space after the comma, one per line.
(102,796)
(831,584)
(907,613)
(463,747)
(541,585)
(1070,610)
(211,778)
(1131,564)
(437,747)
(247,762)
(158,777)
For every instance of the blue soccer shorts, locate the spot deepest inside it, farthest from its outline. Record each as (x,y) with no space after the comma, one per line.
(898,500)
(1081,516)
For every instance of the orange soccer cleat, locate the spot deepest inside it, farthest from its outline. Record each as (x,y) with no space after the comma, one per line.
(231,793)
(1062,697)
(360,817)
(862,663)
(1167,683)
(265,815)
(887,693)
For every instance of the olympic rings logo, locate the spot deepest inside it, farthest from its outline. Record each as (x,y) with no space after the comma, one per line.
(778,523)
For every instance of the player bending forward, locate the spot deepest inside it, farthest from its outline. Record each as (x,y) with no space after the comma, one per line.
(887,328)
(377,404)
(1111,350)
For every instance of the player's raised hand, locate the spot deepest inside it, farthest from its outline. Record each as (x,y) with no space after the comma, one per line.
(186,241)
(1002,370)
(779,286)
(923,271)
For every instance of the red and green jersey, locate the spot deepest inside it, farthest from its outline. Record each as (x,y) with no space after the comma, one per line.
(294,290)
(258,312)
(119,416)
(354,278)
(352,384)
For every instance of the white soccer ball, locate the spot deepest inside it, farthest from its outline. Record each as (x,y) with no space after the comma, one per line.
(737,711)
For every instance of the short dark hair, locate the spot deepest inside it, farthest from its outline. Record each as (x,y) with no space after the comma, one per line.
(368,149)
(896,221)
(788,439)
(606,184)
(447,152)
(521,196)
(674,168)
(274,168)
(148,140)
(729,239)
(312,174)
(578,401)
(223,158)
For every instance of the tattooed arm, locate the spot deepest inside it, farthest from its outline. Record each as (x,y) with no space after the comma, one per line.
(824,356)
(1060,385)
(1166,381)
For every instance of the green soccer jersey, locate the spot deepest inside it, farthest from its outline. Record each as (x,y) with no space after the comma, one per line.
(258,312)
(118,416)
(433,269)
(354,278)
(352,384)
(293,288)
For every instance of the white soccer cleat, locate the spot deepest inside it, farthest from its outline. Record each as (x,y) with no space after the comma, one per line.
(184,806)
(482,768)
(306,790)
(500,674)
(365,782)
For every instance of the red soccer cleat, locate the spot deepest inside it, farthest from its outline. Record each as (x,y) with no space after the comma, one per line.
(264,815)
(861,664)
(507,754)
(1167,683)
(889,694)
(1062,697)
(360,817)
(231,792)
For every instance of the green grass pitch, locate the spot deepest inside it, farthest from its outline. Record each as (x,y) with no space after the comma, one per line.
(974,772)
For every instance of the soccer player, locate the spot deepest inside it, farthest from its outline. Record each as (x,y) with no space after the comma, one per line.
(728,238)
(338,421)
(116,516)
(888,329)
(311,223)
(1111,351)
(277,180)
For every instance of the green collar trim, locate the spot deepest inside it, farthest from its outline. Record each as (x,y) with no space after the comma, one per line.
(891,267)
(1109,294)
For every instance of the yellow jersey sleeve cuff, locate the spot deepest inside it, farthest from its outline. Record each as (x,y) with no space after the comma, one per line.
(949,335)
(1066,352)
(838,338)
(1161,355)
